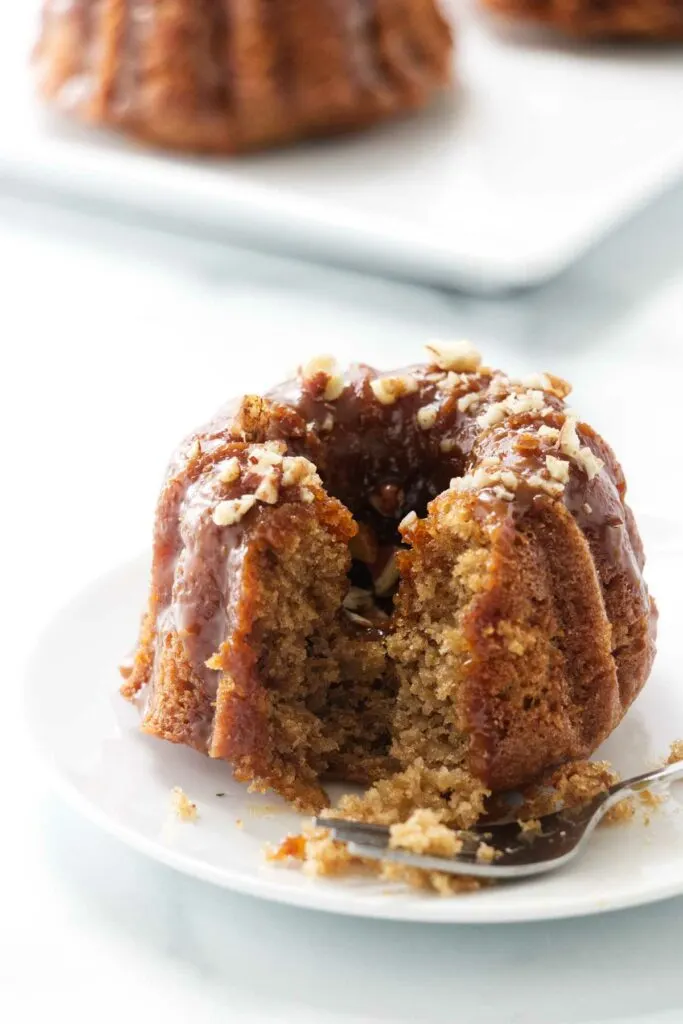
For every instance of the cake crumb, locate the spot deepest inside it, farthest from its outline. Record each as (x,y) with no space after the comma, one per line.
(239,823)
(650,799)
(401,803)
(423,809)
(439,883)
(569,786)
(452,791)
(292,847)
(126,668)
(182,805)
(215,662)
(621,812)
(424,833)
(486,854)
(323,856)
(675,752)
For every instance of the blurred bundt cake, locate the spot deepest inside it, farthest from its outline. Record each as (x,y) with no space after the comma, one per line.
(228,75)
(607,19)
(427,579)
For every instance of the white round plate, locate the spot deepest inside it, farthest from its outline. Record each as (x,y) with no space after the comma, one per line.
(122,779)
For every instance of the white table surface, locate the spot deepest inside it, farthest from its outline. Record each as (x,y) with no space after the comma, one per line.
(114,341)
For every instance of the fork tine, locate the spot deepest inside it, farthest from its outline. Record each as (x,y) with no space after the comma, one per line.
(518,854)
(356,831)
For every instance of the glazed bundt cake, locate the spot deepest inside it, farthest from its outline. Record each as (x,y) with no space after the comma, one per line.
(425,580)
(228,75)
(613,19)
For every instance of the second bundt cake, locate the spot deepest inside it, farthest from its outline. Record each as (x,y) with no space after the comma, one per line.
(221,76)
(424,580)
(609,19)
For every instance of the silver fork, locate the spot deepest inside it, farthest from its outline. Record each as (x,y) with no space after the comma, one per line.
(562,837)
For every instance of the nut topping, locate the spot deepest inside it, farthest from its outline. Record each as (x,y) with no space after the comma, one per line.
(407,522)
(363,546)
(323,378)
(387,578)
(357,599)
(230,471)
(427,416)
(460,356)
(227,513)
(388,390)
(558,468)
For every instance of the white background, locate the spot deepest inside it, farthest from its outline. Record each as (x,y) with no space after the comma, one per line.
(114,342)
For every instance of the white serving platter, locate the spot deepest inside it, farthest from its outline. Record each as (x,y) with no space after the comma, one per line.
(542,149)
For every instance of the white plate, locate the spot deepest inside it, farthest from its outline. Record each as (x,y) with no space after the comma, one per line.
(545,148)
(121,779)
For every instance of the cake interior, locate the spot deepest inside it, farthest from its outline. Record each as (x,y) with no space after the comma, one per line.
(328,684)
(363,682)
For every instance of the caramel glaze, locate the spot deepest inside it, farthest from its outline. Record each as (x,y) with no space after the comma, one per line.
(597,689)
(228,75)
(381,464)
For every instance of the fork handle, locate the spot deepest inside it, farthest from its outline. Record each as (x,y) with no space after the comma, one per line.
(670,773)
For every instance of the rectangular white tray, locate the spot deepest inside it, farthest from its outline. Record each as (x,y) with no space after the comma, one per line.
(544,148)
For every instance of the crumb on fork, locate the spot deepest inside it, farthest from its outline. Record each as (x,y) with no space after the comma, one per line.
(487,854)
(423,833)
(531,826)
(622,812)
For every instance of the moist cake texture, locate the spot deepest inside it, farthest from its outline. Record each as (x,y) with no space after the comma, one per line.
(425,581)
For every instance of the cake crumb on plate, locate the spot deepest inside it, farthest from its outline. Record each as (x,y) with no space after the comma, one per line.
(424,830)
(675,752)
(182,805)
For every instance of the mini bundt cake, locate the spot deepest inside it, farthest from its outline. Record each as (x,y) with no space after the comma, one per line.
(424,580)
(221,76)
(609,19)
